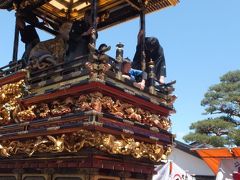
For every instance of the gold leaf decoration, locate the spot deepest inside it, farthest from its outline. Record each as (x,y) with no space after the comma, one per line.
(100,103)
(9,106)
(74,142)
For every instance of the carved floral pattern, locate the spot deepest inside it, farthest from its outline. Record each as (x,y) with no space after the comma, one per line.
(9,97)
(100,103)
(11,111)
(98,64)
(76,141)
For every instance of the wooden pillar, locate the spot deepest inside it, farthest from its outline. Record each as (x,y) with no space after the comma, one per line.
(94,22)
(142,28)
(16,42)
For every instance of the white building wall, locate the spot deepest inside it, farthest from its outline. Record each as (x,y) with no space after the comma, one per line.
(190,163)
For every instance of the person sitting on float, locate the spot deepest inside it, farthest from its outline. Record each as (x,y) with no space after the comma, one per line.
(154,52)
(137,76)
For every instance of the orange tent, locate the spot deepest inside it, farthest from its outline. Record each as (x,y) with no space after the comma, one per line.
(213,156)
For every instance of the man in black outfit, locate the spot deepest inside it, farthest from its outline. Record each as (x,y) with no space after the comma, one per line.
(29,36)
(154,51)
(80,36)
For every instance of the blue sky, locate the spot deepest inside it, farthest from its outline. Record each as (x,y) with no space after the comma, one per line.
(201,41)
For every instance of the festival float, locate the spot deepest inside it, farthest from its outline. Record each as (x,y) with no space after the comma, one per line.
(79,119)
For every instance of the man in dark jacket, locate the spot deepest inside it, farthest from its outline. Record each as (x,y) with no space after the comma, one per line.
(29,36)
(154,51)
(80,36)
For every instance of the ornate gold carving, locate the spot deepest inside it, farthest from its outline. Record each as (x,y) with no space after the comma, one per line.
(76,141)
(43,110)
(26,115)
(168,151)
(97,70)
(59,108)
(98,102)
(4,151)
(98,64)
(9,96)
(47,53)
(11,111)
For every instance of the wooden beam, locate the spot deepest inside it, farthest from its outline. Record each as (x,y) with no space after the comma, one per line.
(16,42)
(173,2)
(49,30)
(66,4)
(133,5)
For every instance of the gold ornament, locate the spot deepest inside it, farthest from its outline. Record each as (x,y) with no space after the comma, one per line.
(9,97)
(74,142)
(26,115)
(100,103)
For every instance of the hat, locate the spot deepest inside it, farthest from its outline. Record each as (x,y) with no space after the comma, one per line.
(126,60)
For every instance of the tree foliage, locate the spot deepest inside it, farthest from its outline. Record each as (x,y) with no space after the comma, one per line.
(224,98)
(211,131)
(222,101)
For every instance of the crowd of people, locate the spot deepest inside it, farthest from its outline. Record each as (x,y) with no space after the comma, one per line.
(73,41)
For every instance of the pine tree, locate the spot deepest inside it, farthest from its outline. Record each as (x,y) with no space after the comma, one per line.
(222,101)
